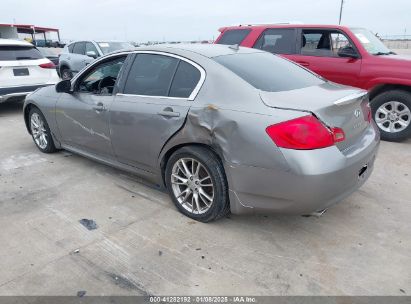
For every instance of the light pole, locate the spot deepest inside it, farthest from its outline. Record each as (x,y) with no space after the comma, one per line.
(341,8)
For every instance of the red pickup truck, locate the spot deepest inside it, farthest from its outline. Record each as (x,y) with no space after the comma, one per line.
(350,56)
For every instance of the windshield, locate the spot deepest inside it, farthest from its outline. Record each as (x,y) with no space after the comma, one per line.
(268,72)
(108,47)
(370,42)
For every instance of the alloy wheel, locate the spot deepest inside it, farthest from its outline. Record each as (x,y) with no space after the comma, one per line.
(38,130)
(393,116)
(66,75)
(192,185)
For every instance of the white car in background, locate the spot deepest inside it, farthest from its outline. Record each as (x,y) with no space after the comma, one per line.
(23,69)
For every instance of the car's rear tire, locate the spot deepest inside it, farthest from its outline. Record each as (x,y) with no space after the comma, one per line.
(40,131)
(66,73)
(392,113)
(197,184)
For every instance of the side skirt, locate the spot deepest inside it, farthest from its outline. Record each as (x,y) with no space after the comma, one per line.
(152,178)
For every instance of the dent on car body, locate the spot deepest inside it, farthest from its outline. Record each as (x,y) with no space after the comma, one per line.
(221,130)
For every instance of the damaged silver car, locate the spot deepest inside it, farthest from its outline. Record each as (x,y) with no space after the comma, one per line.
(221,128)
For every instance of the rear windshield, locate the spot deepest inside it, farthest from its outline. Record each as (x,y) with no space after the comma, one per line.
(232,37)
(268,72)
(11,53)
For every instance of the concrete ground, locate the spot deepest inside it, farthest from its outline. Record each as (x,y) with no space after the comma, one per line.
(144,246)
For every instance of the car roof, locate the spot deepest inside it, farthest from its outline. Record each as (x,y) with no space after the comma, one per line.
(282,25)
(15,42)
(206,50)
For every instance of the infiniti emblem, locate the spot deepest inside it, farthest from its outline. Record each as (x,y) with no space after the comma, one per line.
(357,113)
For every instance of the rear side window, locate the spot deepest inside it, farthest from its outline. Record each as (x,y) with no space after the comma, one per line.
(232,37)
(11,53)
(268,72)
(79,48)
(185,80)
(151,75)
(279,41)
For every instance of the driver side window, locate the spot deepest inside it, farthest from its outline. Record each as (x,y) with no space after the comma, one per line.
(323,43)
(101,79)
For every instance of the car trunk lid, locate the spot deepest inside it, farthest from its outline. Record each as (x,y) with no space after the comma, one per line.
(335,105)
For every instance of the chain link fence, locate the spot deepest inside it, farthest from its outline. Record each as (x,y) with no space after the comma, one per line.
(397,41)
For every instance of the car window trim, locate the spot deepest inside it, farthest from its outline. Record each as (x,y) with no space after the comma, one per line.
(193,94)
(87,68)
(76,87)
(300,36)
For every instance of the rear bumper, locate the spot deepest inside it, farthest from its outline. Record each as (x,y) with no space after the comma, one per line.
(315,180)
(10,92)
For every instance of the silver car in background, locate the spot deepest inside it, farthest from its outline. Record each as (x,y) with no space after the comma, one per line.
(221,128)
(76,55)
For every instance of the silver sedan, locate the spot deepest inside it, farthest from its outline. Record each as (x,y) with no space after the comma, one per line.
(223,129)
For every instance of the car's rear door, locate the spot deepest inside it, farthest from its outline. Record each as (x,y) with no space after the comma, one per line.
(152,106)
(318,51)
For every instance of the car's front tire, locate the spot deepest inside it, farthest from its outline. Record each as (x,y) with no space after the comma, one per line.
(66,73)
(197,183)
(392,113)
(40,131)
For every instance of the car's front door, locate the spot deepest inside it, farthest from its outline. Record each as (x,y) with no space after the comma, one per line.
(319,51)
(152,107)
(83,115)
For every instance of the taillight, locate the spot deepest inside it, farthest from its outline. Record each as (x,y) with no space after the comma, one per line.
(47,65)
(338,134)
(304,133)
(367,112)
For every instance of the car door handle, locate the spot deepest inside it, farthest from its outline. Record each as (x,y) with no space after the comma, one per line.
(168,112)
(303,63)
(99,107)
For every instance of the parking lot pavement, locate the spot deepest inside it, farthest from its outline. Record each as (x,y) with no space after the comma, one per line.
(142,245)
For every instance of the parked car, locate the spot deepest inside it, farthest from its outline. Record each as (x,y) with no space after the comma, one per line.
(78,54)
(222,128)
(23,69)
(350,56)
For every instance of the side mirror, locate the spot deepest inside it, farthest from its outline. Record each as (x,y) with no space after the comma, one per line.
(63,86)
(91,54)
(348,52)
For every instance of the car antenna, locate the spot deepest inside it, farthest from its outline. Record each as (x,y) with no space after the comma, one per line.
(234,47)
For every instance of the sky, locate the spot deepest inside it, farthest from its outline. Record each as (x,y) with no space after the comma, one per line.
(186,20)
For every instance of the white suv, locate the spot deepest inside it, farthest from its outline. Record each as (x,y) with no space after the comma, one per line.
(23,69)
